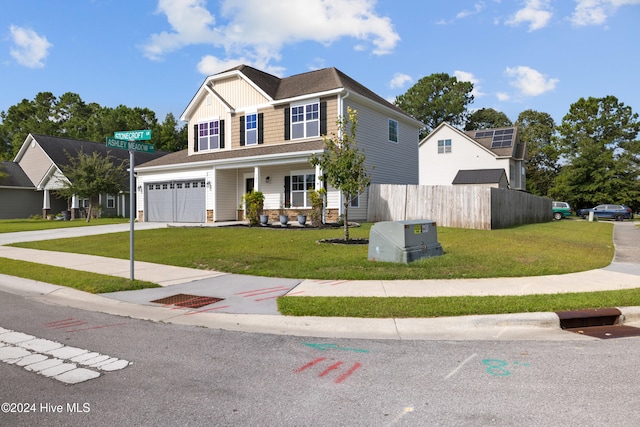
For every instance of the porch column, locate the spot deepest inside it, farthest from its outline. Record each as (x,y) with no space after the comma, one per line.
(211,187)
(46,204)
(256,178)
(75,207)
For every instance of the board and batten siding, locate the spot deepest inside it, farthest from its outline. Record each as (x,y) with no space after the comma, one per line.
(35,163)
(469,206)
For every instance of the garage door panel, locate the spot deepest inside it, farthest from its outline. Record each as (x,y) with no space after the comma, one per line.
(176,201)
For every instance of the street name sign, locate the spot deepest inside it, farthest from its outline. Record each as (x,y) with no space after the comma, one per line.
(140,147)
(133,135)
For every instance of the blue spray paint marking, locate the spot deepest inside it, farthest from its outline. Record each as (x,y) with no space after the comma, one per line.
(496,367)
(324,347)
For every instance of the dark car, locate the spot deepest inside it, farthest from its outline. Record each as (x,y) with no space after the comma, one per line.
(617,212)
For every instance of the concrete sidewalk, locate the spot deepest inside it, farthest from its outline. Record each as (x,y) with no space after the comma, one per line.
(258,313)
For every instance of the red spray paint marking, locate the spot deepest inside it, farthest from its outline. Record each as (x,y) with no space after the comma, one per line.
(310,364)
(330,368)
(64,323)
(256,292)
(347,374)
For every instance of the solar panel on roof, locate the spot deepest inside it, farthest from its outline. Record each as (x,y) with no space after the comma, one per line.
(484,134)
(502,138)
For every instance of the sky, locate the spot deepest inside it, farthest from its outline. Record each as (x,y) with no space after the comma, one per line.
(519,54)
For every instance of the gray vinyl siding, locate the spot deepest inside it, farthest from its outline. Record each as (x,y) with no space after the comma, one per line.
(18,204)
(388,162)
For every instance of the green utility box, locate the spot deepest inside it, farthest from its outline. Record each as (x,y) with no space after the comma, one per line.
(403,241)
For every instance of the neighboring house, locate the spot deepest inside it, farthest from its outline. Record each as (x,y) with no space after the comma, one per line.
(495,178)
(18,195)
(40,162)
(250,130)
(447,151)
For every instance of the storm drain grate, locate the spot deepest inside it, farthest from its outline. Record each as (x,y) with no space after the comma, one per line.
(603,323)
(607,331)
(188,301)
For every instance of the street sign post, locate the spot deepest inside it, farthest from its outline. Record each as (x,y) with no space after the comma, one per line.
(128,140)
(133,135)
(140,147)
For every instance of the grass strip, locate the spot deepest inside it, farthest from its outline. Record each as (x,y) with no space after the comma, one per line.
(18,225)
(82,280)
(417,307)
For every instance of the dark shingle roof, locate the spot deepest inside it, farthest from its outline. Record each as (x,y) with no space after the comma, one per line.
(58,149)
(14,176)
(516,150)
(182,157)
(479,176)
(308,83)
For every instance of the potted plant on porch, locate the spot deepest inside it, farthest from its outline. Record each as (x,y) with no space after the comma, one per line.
(284,218)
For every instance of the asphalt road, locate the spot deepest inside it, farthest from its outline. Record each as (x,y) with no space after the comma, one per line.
(184,375)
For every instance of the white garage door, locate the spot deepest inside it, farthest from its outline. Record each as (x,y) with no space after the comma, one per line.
(176,201)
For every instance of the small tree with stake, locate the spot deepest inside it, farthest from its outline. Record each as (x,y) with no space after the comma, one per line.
(343,163)
(91,175)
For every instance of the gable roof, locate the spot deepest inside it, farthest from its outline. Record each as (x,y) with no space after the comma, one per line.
(299,85)
(480,176)
(516,150)
(14,176)
(59,149)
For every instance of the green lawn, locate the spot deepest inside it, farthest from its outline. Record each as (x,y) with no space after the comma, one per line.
(16,225)
(550,248)
(556,247)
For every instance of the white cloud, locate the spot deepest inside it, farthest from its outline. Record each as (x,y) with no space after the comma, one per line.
(477,8)
(209,65)
(535,12)
(465,76)
(596,12)
(30,48)
(257,30)
(502,96)
(530,82)
(399,80)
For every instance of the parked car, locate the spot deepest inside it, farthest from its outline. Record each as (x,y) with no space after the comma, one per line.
(617,212)
(561,210)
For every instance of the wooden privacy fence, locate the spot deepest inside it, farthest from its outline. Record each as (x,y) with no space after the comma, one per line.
(477,207)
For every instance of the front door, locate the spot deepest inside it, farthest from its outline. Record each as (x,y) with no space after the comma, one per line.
(249,186)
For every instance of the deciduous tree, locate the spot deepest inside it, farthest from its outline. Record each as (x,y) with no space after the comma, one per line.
(537,130)
(437,98)
(91,175)
(487,118)
(343,164)
(600,153)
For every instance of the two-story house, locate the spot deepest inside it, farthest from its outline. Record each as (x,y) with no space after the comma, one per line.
(449,156)
(250,130)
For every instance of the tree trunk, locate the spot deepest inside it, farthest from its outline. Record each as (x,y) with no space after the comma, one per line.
(345,219)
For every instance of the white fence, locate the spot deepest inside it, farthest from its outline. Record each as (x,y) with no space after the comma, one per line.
(475,207)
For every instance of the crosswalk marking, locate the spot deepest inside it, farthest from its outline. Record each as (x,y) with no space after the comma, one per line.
(70,365)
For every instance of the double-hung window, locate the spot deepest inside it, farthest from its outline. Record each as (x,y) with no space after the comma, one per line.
(251,129)
(301,185)
(444,146)
(393,131)
(209,135)
(305,120)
